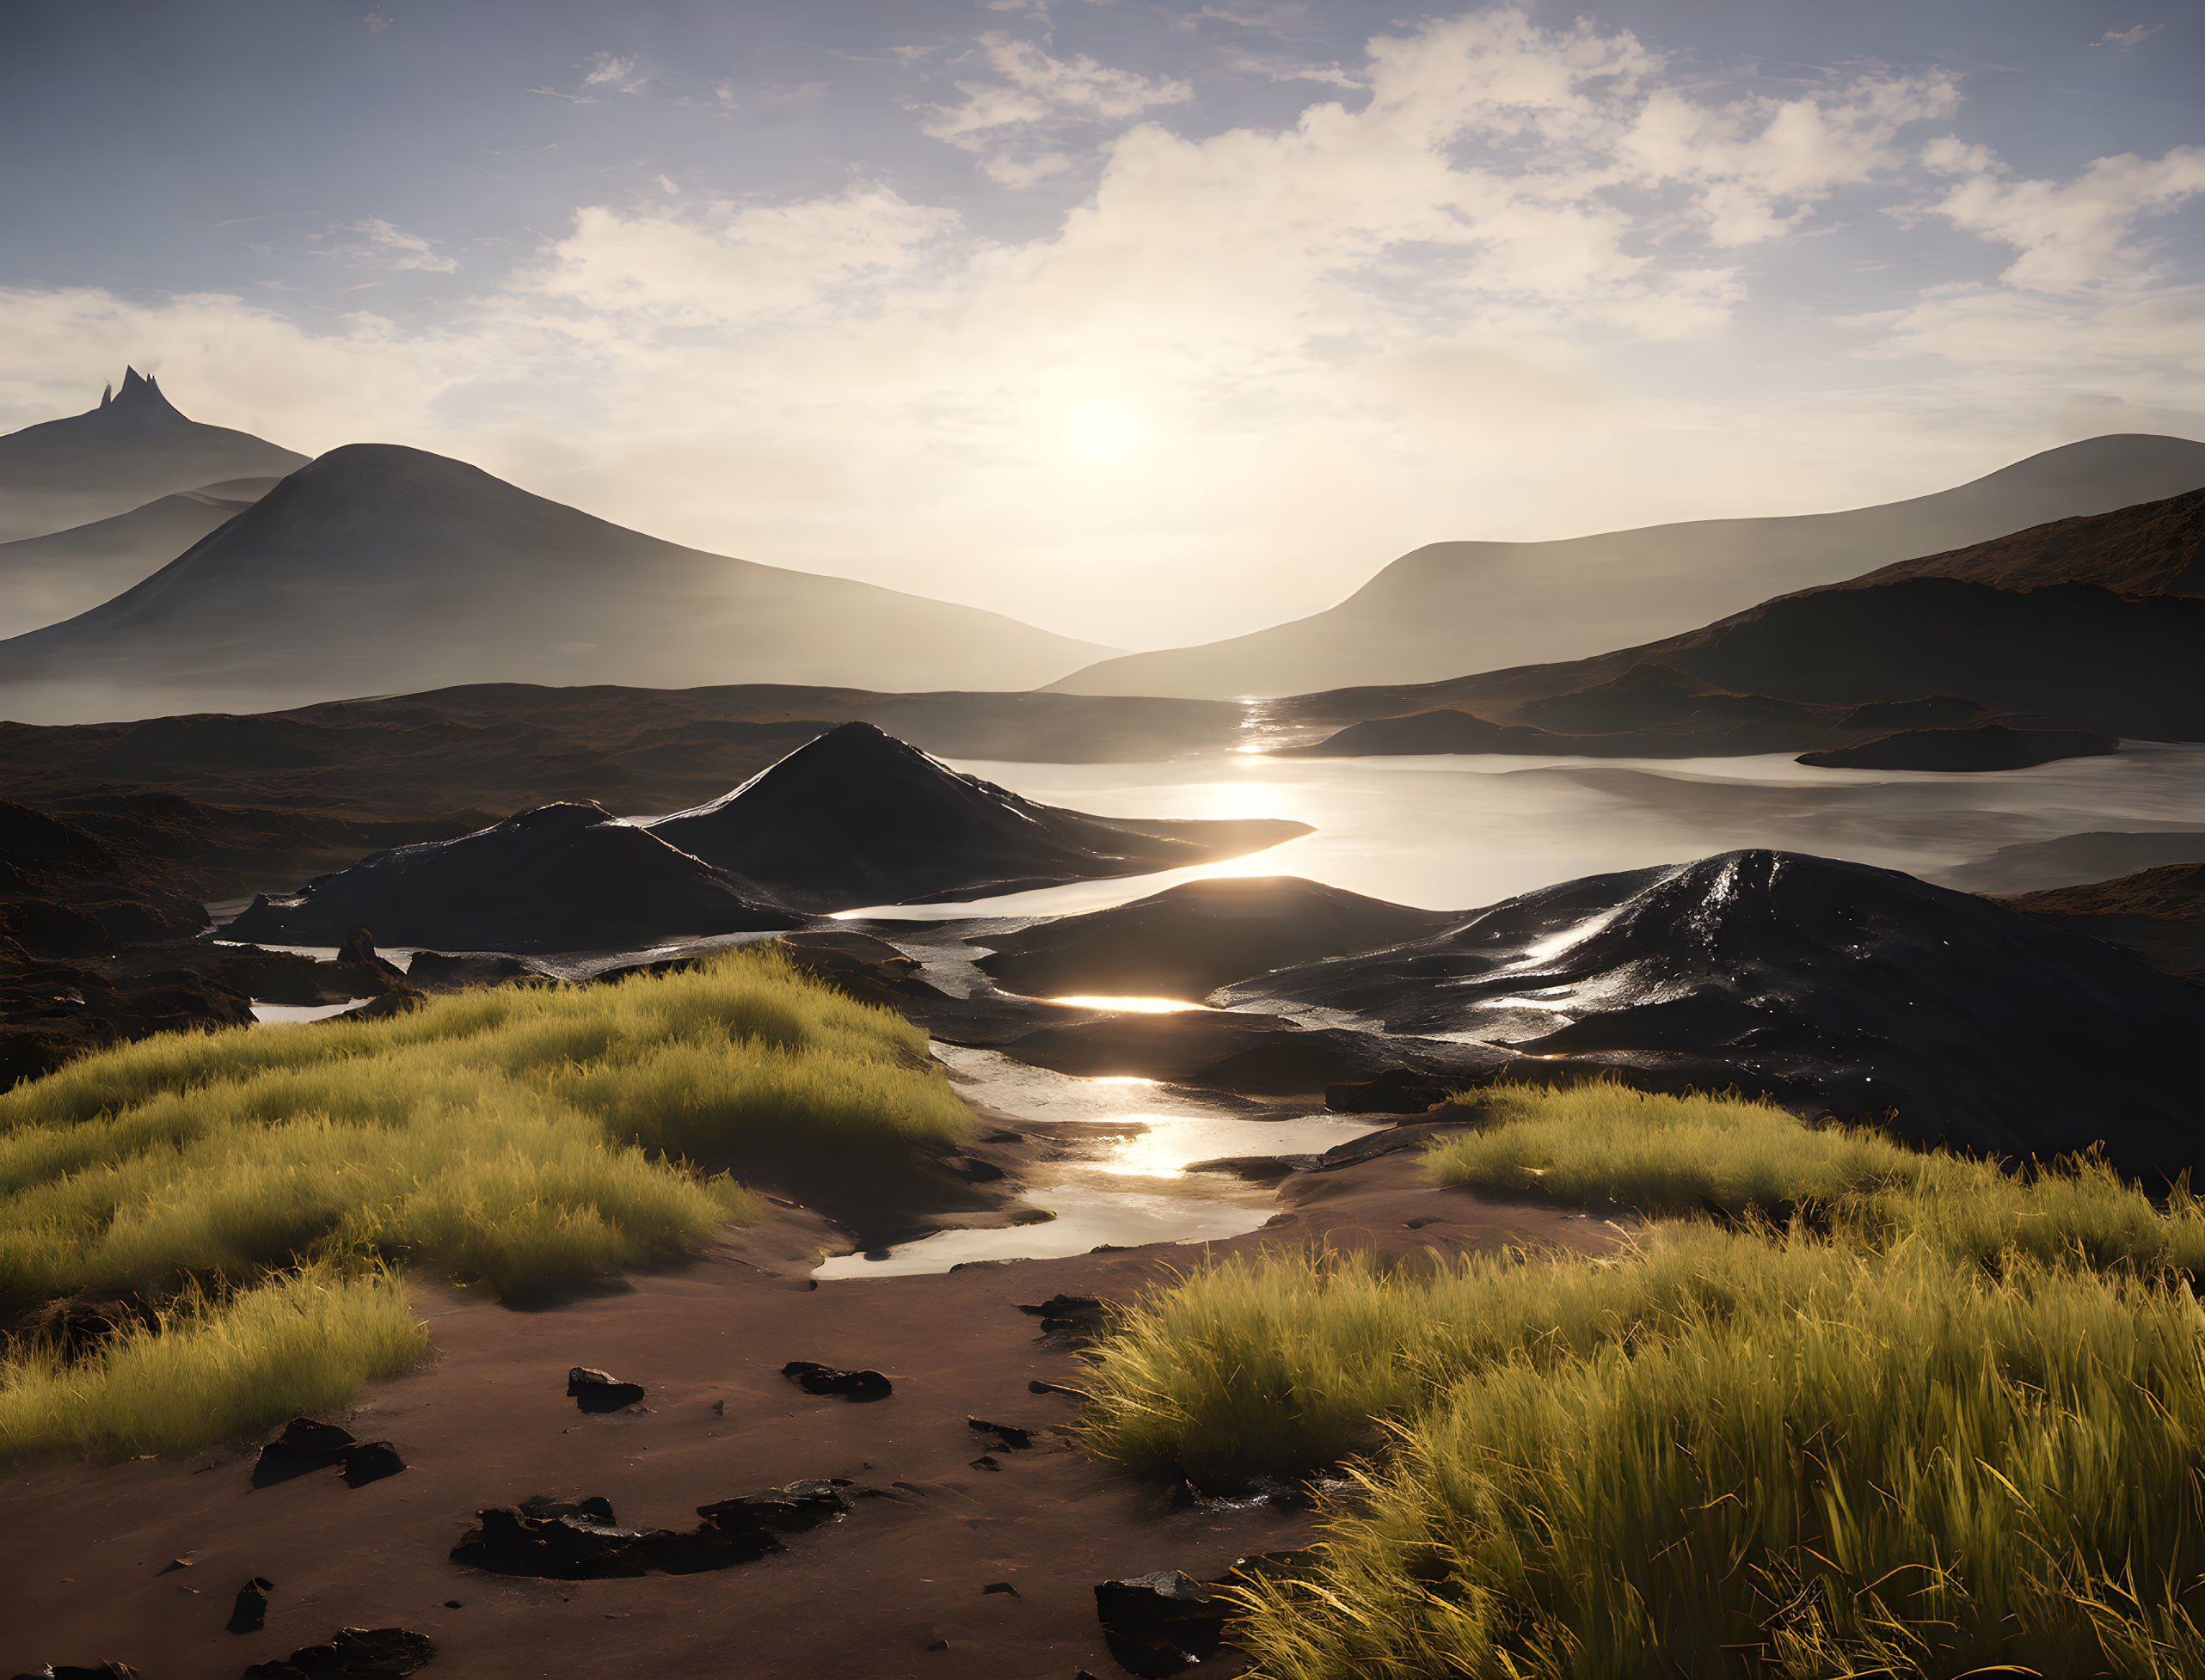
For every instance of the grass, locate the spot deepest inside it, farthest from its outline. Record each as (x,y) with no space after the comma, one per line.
(518,1138)
(1942,1419)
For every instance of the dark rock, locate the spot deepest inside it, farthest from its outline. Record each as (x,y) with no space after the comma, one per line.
(1077,1315)
(1856,992)
(562,877)
(356,1653)
(591,1508)
(1001,1587)
(1396,1091)
(371,1461)
(790,1510)
(869,969)
(1983,746)
(509,1540)
(985,1461)
(1187,943)
(1002,1434)
(855,1385)
(251,1614)
(856,817)
(1157,1625)
(108,1671)
(1038,1387)
(467,968)
(579,1540)
(595,1390)
(304,1446)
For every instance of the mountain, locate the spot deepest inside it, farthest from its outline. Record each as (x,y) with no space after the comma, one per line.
(134,448)
(561,877)
(380,568)
(2058,647)
(1454,607)
(43,580)
(857,817)
(2159,914)
(1858,990)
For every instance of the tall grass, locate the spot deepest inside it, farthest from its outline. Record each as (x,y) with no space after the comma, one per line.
(517,1138)
(1943,1419)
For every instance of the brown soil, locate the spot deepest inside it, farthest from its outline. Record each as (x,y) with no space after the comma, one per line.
(86,1548)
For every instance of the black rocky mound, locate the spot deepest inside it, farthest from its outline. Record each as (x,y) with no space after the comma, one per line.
(856,817)
(1983,746)
(1187,943)
(1858,990)
(561,877)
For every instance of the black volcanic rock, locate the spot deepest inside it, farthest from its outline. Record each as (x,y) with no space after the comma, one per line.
(1858,990)
(1982,746)
(378,568)
(561,877)
(1187,941)
(856,817)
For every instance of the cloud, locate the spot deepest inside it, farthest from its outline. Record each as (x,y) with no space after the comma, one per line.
(386,246)
(2076,234)
(1002,119)
(2129,36)
(376,22)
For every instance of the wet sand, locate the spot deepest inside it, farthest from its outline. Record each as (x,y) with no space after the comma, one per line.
(85,1548)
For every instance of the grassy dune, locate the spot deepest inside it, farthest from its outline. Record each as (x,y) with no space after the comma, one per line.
(1943,1419)
(519,1138)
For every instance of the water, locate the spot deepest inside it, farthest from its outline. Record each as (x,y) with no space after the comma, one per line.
(1457,832)
(270,1015)
(1120,1176)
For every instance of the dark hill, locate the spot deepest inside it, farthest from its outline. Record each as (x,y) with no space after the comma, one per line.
(2156,548)
(1982,746)
(1454,607)
(1187,943)
(858,818)
(2159,914)
(133,449)
(1859,989)
(43,580)
(561,877)
(379,568)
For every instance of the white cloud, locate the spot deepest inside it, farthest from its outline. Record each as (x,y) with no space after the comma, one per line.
(2078,233)
(2129,36)
(1000,119)
(386,246)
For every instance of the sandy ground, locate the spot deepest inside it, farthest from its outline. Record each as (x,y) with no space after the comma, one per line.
(892,1590)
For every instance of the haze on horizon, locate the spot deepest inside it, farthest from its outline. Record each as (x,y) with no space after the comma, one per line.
(1145,324)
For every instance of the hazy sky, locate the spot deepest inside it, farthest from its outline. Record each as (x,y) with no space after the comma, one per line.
(1145,322)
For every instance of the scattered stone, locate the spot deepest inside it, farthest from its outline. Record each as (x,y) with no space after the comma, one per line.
(595,1390)
(1002,1434)
(719,1408)
(1156,1625)
(938,1645)
(304,1446)
(1396,1091)
(452,1605)
(1074,1315)
(1038,1387)
(985,1463)
(557,1540)
(251,1614)
(594,1509)
(174,1564)
(109,1671)
(356,1653)
(371,1461)
(1001,1587)
(791,1509)
(856,1385)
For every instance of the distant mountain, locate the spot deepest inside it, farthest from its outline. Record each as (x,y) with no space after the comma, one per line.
(2061,648)
(379,568)
(1450,608)
(857,817)
(134,448)
(43,580)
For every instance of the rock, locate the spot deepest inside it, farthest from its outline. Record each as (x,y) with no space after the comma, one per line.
(510,1539)
(251,1614)
(1002,1434)
(371,1461)
(1076,1317)
(985,1461)
(467,968)
(593,1508)
(108,1671)
(1396,1091)
(1983,746)
(579,1540)
(790,1510)
(1158,1625)
(1001,1587)
(356,1653)
(1038,1387)
(855,1385)
(595,1391)
(304,1446)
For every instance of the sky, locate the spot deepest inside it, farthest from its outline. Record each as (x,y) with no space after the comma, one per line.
(1145,322)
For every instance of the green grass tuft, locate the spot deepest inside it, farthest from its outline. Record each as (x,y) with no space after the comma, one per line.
(1943,1419)
(519,1138)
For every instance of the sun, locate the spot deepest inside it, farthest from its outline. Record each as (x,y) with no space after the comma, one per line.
(1102,434)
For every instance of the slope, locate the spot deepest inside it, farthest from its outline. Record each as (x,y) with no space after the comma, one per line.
(1453,607)
(43,580)
(133,449)
(380,568)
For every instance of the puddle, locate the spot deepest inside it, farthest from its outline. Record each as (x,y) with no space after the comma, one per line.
(1119,1177)
(1131,1006)
(271,1015)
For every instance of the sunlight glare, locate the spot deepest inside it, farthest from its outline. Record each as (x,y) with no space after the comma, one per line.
(1102,434)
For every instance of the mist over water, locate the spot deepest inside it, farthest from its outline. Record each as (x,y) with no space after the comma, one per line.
(1447,832)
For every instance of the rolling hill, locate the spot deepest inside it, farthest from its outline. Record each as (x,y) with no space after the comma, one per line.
(379,568)
(43,580)
(1450,608)
(133,449)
